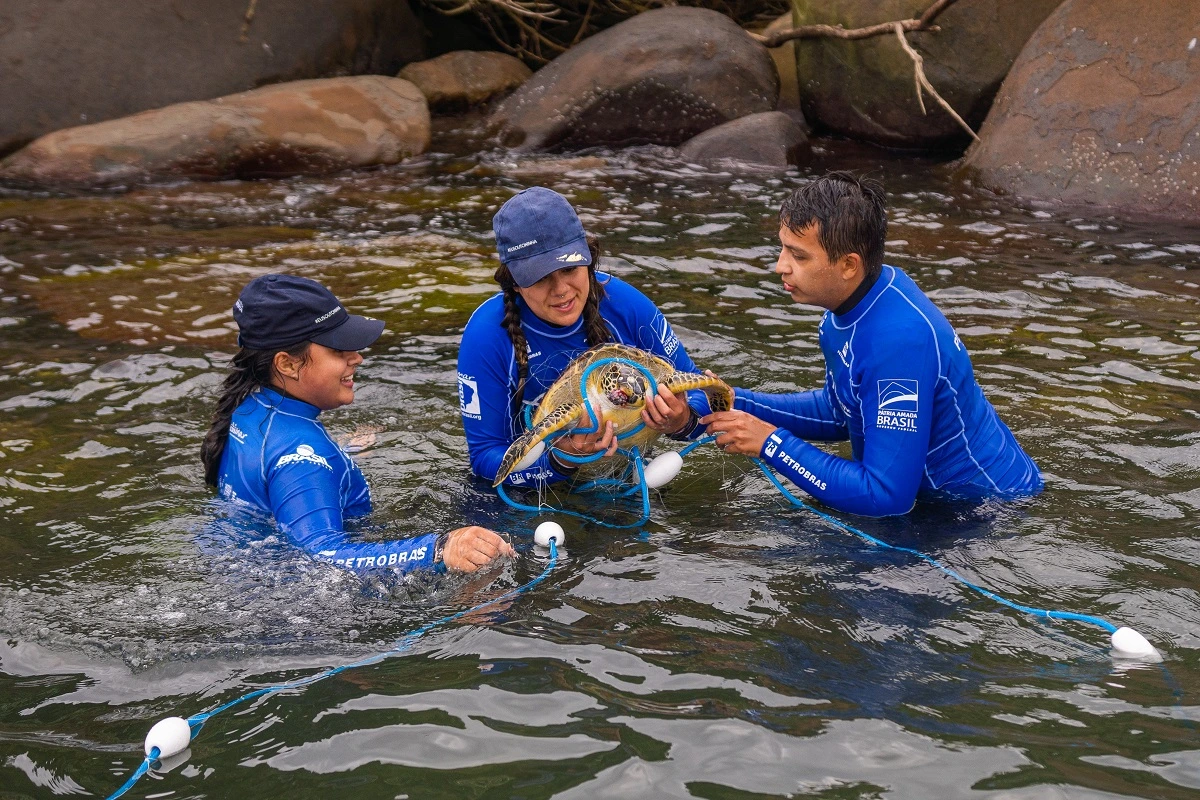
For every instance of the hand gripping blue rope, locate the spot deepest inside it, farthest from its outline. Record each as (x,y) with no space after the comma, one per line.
(1126,642)
(196,721)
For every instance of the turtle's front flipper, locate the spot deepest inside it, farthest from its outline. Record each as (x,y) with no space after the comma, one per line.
(720,393)
(558,419)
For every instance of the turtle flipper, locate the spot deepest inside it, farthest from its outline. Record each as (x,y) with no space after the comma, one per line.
(720,393)
(558,419)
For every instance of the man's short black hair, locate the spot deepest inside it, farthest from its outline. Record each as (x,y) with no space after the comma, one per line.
(849,213)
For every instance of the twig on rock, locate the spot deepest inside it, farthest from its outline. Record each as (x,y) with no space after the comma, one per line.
(247,19)
(921,81)
(922,23)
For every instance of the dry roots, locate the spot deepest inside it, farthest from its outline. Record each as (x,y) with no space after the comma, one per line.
(537,31)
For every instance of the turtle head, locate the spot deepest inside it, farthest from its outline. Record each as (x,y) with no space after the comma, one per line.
(624,385)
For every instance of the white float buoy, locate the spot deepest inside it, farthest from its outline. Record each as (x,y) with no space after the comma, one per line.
(534,455)
(1128,643)
(662,469)
(170,736)
(547,531)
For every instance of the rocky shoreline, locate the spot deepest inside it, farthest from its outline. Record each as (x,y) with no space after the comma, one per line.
(1072,106)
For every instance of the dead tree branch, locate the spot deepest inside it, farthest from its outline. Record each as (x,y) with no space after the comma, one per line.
(923,82)
(921,23)
(899,28)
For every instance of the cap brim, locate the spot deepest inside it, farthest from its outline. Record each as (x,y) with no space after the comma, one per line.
(528,271)
(353,334)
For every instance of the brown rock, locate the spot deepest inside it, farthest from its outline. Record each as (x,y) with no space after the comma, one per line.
(302,127)
(72,62)
(784,57)
(464,78)
(1101,112)
(863,89)
(771,139)
(660,77)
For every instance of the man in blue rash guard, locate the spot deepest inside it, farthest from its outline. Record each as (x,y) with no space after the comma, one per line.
(554,305)
(266,449)
(898,381)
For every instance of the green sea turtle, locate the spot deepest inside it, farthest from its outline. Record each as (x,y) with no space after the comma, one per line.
(617,391)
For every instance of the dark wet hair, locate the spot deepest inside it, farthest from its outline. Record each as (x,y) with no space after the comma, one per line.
(850,213)
(249,370)
(595,330)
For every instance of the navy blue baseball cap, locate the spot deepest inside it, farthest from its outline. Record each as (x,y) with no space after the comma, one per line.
(275,312)
(537,232)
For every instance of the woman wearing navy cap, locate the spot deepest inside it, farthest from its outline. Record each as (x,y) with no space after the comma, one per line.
(553,306)
(299,351)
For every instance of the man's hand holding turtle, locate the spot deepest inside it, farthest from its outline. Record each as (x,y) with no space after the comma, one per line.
(738,432)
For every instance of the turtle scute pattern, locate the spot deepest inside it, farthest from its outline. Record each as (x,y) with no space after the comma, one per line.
(618,393)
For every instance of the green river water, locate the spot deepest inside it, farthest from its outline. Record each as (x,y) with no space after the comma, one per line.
(731,648)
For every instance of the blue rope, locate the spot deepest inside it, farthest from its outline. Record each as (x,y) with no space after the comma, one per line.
(1037,612)
(142,769)
(196,721)
(635,459)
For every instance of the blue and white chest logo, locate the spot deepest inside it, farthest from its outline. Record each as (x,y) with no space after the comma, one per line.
(844,353)
(897,405)
(468,397)
(304,455)
(670,341)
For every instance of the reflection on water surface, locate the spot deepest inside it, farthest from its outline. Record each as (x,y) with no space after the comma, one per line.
(734,648)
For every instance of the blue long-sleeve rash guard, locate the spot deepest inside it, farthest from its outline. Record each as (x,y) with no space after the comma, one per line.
(487,370)
(280,459)
(899,385)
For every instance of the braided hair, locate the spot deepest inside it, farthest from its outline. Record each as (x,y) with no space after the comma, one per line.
(248,371)
(595,329)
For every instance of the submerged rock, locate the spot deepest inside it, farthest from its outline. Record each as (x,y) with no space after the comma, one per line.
(73,62)
(304,127)
(464,78)
(771,139)
(658,78)
(1099,112)
(863,89)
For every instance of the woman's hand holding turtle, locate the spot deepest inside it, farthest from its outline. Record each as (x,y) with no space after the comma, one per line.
(586,444)
(666,412)
(468,549)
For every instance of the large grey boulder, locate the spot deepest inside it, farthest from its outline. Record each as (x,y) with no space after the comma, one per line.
(660,77)
(463,78)
(71,62)
(769,139)
(1101,112)
(863,89)
(304,127)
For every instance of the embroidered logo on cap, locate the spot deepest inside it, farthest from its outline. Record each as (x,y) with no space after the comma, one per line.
(522,244)
(326,316)
(570,258)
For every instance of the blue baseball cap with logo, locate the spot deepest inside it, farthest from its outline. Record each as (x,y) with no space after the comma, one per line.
(275,312)
(537,232)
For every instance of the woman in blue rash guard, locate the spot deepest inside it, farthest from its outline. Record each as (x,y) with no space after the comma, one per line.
(898,380)
(553,306)
(266,448)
